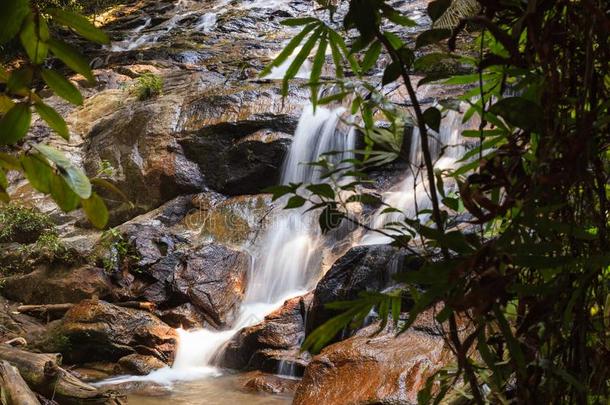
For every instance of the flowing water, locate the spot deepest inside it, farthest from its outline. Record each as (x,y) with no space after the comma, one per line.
(411,195)
(287,263)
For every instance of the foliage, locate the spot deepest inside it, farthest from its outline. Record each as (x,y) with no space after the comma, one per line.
(46,168)
(117,253)
(148,85)
(23,224)
(528,272)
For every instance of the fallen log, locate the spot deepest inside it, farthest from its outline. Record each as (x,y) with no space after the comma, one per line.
(60,309)
(44,375)
(14,390)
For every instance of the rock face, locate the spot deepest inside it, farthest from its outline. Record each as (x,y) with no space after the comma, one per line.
(275,340)
(139,364)
(58,285)
(213,278)
(382,369)
(363,268)
(98,331)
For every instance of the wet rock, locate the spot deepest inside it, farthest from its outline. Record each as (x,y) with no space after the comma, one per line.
(91,372)
(95,330)
(185,316)
(363,268)
(256,381)
(140,364)
(212,278)
(58,285)
(138,141)
(367,369)
(277,338)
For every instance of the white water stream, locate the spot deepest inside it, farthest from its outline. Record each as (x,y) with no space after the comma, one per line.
(287,264)
(411,195)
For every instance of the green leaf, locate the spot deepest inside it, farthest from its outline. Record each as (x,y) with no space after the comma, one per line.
(63,195)
(397,18)
(394,40)
(337,58)
(20,80)
(74,177)
(391,73)
(323,190)
(9,162)
(432,36)
(53,119)
(3,181)
(519,112)
(79,24)
(437,8)
(298,61)
(371,56)
(329,219)
(295,22)
(295,201)
(72,58)
(432,117)
(62,86)
(365,199)
(36,49)
(340,43)
(96,211)
(37,171)
(15,124)
(316,70)
(12,13)
(289,49)
(278,191)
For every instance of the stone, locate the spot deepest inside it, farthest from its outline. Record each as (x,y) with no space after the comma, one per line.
(139,364)
(274,340)
(367,369)
(95,330)
(213,278)
(58,285)
(256,381)
(362,268)
(185,316)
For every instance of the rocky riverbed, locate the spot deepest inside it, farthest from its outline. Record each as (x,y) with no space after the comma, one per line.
(192,162)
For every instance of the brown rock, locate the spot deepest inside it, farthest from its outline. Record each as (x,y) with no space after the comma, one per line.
(213,278)
(275,340)
(257,381)
(367,369)
(139,364)
(185,316)
(58,285)
(99,331)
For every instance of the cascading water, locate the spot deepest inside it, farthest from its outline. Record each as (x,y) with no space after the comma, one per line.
(287,263)
(411,196)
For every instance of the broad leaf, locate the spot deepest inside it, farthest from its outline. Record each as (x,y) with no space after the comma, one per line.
(53,119)
(12,13)
(62,86)
(323,190)
(74,176)
(437,8)
(79,24)
(432,117)
(371,56)
(72,58)
(96,211)
(519,112)
(14,124)
(63,195)
(295,201)
(36,49)
(37,171)
(432,36)
(391,73)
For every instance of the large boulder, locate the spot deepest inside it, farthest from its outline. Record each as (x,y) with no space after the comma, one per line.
(95,330)
(373,369)
(362,268)
(213,278)
(58,285)
(272,344)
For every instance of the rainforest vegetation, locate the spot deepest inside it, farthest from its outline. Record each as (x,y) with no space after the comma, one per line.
(508,246)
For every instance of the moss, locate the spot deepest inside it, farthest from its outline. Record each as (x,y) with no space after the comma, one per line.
(22,224)
(148,85)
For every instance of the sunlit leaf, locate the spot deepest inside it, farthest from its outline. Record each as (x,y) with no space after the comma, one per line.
(62,86)
(96,210)
(74,176)
(79,24)
(72,58)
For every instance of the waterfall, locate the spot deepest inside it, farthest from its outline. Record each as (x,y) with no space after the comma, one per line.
(287,263)
(411,195)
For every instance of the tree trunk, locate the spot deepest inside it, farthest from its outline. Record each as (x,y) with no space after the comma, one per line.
(14,389)
(43,374)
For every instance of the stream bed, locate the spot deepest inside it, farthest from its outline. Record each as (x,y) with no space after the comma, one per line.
(224,389)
